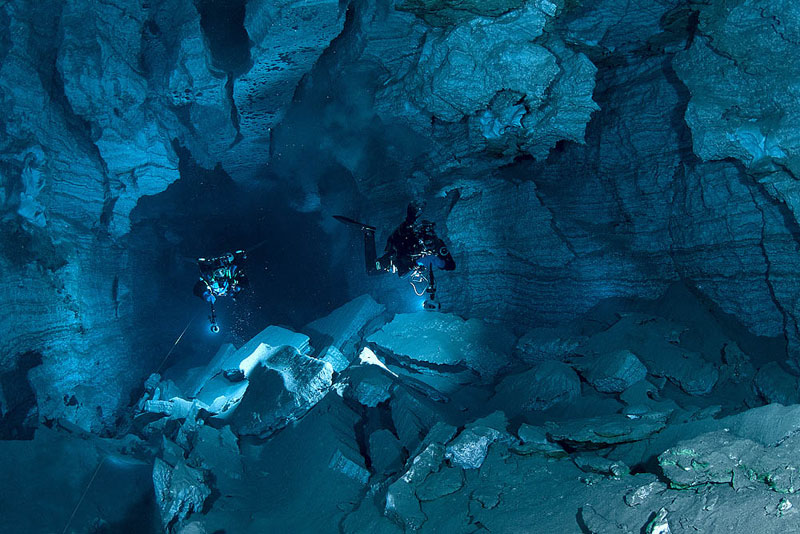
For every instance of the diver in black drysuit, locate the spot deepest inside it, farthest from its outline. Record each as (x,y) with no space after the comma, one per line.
(220,277)
(412,245)
(413,248)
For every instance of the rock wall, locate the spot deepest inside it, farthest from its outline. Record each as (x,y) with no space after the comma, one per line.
(741,70)
(500,84)
(621,198)
(287,39)
(96,100)
(570,153)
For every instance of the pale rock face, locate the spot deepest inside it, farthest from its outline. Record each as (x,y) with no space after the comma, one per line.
(193,85)
(451,12)
(180,491)
(518,90)
(741,72)
(475,242)
(104,86)
(288,37)
(614,26)
(579,153)
(675,216)
(68,291)
(451,81)
(55,166)
(742,75)
(92,101)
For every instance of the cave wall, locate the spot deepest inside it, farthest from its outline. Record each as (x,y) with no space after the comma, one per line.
(741,71)
(618,201)
(569,152)
(95,102)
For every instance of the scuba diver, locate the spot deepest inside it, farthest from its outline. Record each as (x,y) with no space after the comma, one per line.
(220,277)
(413,248)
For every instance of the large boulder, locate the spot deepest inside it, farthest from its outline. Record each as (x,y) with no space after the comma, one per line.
(723,458)
(539,344)
(776,385)
(534,440)
(402,499)
(446,343)
(340,330)
(613,372)
(605,430)
(180,491)
(303,479)
(656,343)
(217,451)
(469,449)
(548,384)
(413,416)
(282,388)
(276,359)
(248,355)
(385,451)
(737,366)
(367,385)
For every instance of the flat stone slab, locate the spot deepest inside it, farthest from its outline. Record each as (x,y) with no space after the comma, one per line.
(548,384)
(606,430)
(343,324)
(446,342)
(282,388)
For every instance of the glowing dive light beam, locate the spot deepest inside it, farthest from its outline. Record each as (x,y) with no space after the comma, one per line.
(123,462)
(369,357)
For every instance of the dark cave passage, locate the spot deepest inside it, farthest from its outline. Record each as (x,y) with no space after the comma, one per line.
(223,25)
(297,271)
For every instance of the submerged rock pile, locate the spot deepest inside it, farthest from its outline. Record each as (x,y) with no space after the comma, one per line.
(617,433)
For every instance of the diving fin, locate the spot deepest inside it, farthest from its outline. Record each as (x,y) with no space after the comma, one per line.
(353,222)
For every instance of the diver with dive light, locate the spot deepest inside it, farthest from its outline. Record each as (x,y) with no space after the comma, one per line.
(220,277)
(413,247)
